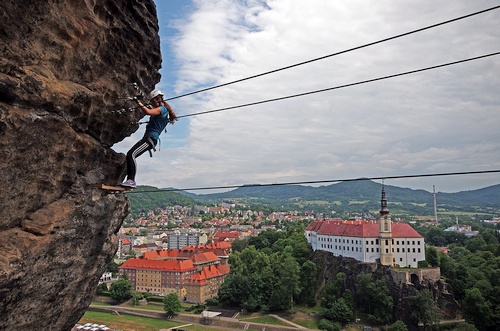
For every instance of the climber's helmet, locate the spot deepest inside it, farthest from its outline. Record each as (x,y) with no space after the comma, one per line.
(154,94)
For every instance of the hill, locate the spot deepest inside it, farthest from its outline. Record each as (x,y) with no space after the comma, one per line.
(146,198)
(354,196)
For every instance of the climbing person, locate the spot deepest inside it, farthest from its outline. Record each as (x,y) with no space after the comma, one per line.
(159,116)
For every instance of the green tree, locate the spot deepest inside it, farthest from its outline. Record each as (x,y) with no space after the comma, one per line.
(477,310)
(239,245)
(285,282)
(382,301)
(120,290)
(339,312)
(431,255)
(334,290)
(265,239)
(459,282)
(102,288)
(328,296)
(171,303)
(397,326)
(136,297)
(375,299)
(446,265)
(308,275)
(113,268)
(475,244)
(423,309)
(325,324)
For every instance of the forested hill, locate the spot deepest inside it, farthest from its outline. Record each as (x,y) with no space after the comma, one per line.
(361,195)
(359,190)
(146,198)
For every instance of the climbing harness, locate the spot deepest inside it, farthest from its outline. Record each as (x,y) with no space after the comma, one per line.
(140,94)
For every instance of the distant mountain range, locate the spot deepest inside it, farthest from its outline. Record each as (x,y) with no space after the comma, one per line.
(360,195)
(353,196)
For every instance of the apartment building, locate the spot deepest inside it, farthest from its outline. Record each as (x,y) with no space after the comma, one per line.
(195,276)
(178,239)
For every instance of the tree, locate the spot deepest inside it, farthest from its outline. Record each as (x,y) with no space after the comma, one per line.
(422,309)
(431,255)
(308,274)
(239,245)
(136,297)
(477,310)
(375,299)
(382,301)
(475,244)
(112,267)
(398,326)
(101,288)
(459,281)
(120,290)
(285,280)
(339,312)
(325,324)
(446,265)
(171,303)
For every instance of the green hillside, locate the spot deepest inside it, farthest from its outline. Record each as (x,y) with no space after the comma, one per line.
(343,197)
(146,198)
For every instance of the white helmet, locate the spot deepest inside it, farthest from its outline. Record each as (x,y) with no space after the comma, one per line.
(155,93)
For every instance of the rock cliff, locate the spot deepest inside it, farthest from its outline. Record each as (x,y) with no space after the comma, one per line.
(63,66)
(402,284)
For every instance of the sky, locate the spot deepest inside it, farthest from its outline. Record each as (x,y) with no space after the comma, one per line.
(444,120)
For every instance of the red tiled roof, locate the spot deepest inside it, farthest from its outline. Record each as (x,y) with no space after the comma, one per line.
(160,254)
(125,241)
(315,225)
(204,257)
(163,265)
(364,229)
(208,272)
(227,234)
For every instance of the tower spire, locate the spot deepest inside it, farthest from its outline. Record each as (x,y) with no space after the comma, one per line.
(385,232)
(383,203)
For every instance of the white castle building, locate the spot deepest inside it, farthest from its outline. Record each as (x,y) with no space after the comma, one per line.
(395,244)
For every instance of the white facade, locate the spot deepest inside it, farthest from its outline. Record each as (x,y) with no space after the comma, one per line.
(406,251)
(393,244)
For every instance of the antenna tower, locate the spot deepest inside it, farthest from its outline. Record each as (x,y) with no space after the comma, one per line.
(435,205)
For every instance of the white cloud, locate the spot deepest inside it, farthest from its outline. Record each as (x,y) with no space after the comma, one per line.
(444,120)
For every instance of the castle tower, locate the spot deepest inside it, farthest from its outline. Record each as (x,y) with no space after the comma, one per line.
(385,232)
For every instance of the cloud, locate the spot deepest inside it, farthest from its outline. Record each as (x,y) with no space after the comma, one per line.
(443,120)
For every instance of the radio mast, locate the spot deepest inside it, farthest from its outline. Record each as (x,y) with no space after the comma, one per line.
(435,205)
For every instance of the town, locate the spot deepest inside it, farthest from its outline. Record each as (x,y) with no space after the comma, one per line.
(192,262)
(185,250)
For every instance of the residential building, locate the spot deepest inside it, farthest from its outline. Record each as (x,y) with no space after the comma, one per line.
(193,274)
(142,248)
(178,239)
(124,247)
(159,277)
(226,236)
(206,283)
(460,228)
(393,244)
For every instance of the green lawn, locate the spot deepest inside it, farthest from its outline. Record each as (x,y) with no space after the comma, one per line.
(127,322)
(264,319)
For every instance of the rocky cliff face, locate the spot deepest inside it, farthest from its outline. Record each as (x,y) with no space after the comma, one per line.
(63,67)
(403,285)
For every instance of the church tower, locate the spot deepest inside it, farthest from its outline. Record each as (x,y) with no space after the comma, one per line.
(385,232)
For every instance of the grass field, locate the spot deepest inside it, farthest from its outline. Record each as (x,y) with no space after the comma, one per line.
(126,322)
(263,319)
